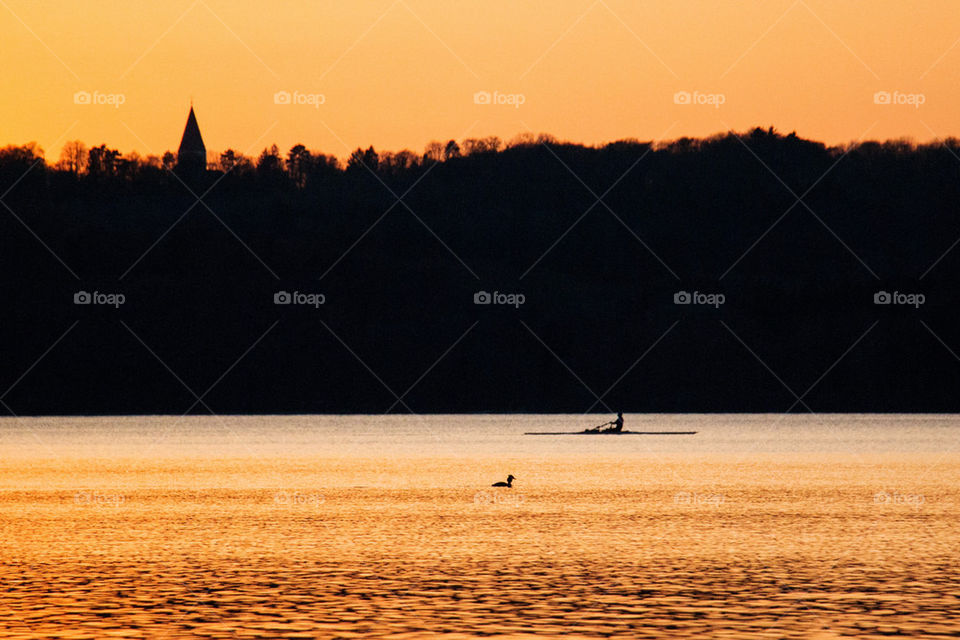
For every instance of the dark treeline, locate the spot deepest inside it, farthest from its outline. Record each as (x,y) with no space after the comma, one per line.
(796,236)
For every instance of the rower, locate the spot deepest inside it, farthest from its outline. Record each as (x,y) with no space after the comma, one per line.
(617,424)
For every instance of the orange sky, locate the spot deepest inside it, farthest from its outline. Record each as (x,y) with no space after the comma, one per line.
(399,73)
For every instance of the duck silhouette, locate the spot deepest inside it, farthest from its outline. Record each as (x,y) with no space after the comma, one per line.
(508,483)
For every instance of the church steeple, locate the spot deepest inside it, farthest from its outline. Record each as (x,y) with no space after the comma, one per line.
(192,154)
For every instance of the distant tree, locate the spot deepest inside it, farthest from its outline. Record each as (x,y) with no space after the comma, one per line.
(326,162)
(493,143)
(628,144)
(452,150)
(323,171)
(433,152)
(128,167)
(299,161)
(681,145)
(364,158)
(471,146)
(169,161)
(73,157)
(371,158)
(758,134)
(902,146)
(406,159)
(243,165)
(397,163)
(28,153)
(385,161)
(355,161)
(270,166)
(524,139)
(153,161)
(490,144)
(233,161)
(18,161)
(270,160)
(102,161)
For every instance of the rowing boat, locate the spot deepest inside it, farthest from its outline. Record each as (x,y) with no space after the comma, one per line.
(609,433)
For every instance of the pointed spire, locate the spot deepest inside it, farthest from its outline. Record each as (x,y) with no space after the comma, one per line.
(192,154)
(192,141)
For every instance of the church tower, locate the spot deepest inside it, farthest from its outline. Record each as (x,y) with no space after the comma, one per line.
(192,154)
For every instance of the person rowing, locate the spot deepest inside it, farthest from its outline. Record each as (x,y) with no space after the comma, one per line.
(615,426)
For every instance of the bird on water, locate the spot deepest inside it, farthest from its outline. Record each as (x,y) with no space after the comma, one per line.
(508,483)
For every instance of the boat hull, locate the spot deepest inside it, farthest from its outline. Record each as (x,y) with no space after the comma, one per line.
(610,433)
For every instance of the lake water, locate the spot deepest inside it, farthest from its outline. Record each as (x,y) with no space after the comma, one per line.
(386,527)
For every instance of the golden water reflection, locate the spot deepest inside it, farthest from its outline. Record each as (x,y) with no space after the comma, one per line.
(651,546)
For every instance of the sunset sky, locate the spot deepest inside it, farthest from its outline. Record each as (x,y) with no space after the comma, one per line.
(399,73)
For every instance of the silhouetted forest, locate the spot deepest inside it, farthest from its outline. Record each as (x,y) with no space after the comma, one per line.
(797,237)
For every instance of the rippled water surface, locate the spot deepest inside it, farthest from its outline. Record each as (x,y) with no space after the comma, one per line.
(386,527)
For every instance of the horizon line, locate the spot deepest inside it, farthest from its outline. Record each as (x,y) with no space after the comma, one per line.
(541,138)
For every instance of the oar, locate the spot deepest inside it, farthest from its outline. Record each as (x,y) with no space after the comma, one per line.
(597,427)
